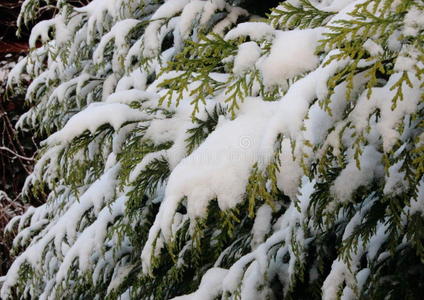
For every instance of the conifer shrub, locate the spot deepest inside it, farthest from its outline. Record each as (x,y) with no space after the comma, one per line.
(196,150)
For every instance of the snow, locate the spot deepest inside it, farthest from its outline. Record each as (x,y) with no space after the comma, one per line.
(191,11)
(250,288)
(119,274)
(351,178)
(209,9)
(362,277)
(257,31)
(41,30)
(395,182)
(413,22)
(137,80)
(147,159)
(91,118)
(210,286)
(15,74)
(292,54)
(247,55)
(389,116)
(127,96)
(229,20)
(118,33)
(377,241)
(258,257)
(64,30)
(407,59)
(261,226)
(151,35)
(93,236)
(373,48)
(333,5)
(295,103)
(289,178)
(330,288)
(417,205)
(97,11)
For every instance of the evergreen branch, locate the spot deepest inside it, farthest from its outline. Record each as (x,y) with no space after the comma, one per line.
(303,15)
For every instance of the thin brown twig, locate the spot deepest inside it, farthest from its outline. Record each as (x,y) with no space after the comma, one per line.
(16,154)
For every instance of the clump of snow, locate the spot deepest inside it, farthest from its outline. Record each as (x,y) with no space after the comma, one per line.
(395,182)
(373,48)
(41,30)
(91,118)
(257,31)
(353,177)
(151,35)
(262,225)
(118,33)
(231,19)
(210,287)
(247,55)
(292,54)
(128,96)
(389,116)
(413,22)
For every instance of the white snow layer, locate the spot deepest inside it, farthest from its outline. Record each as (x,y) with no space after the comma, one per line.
(91,118)
(247,55)
(292,53)
(210,286)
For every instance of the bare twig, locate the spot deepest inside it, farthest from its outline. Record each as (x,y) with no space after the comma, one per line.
(16,154)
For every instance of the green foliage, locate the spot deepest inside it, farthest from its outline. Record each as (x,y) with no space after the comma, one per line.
(203,128)
(303,15)
(195,64)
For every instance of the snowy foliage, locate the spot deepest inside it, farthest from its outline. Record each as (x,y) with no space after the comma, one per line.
(198,151)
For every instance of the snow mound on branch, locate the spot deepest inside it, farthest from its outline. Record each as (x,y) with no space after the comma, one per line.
(257,31)
(231,150)
(247,55)
(219,168)
(91,118)
(292,53)
(210,286)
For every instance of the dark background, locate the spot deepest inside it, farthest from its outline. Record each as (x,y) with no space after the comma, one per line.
(13,168)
